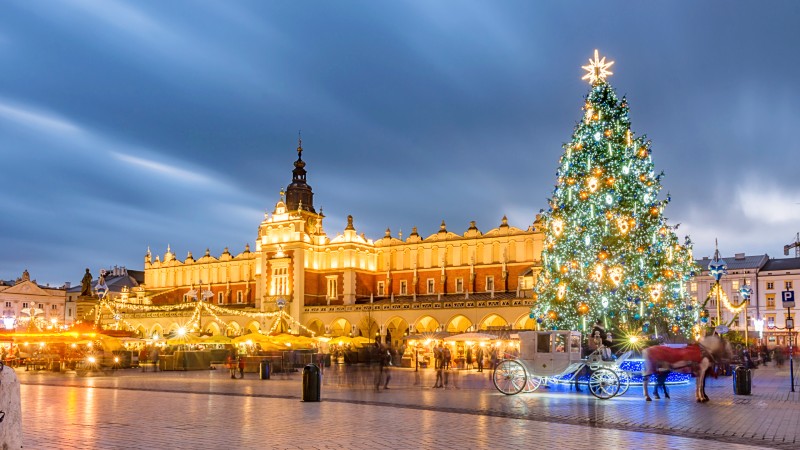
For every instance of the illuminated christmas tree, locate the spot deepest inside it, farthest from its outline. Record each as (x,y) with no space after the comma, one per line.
(608,251)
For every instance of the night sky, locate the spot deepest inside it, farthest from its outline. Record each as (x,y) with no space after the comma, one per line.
(125,125)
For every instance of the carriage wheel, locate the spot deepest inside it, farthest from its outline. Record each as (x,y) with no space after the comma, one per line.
(509,377)
(604,383)
(624,383)
(532,383)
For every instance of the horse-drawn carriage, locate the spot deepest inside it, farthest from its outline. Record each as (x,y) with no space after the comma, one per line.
(556,355)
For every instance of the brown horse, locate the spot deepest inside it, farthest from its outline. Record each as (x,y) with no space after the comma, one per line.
(694,358)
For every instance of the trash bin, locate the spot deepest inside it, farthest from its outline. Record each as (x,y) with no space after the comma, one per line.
(741,380)
(312,379)
(263,370)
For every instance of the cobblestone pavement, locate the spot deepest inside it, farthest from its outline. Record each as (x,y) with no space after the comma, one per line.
(207,409)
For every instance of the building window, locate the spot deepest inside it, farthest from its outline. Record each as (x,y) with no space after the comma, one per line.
(24,304)
(770,285)
(41,305)
(280,281)
(239,297)
(735,284)
(8,304)
(787,285)
(490,284)
(185,298)
(381,289)
(736,322)
(69,312)
(693,287)
(459,285)
(54,307)
(333,287)
(769,319)
(771,301)
(219,298)
(431,286)
(404,287)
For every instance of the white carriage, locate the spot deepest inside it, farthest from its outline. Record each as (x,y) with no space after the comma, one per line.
(550,354)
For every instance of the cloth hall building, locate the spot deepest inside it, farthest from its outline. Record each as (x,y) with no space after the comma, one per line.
(349,284)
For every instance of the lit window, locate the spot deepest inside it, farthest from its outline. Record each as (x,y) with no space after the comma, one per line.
(332,287)
(381,289)
(735,284)
(770,300)
(280,281)
(694,287)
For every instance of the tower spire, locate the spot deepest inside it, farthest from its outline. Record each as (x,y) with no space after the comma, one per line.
(298,193)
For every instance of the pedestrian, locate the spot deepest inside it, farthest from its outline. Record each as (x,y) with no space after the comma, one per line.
(479,357)
(384,375)
(154,357)
(446,357)
(661,380)
(241,366)
(469,357)
(438,352)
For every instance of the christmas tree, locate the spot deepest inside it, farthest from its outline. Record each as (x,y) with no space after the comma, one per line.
(608,251)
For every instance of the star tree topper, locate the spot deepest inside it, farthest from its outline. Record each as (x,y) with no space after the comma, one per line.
(597,69)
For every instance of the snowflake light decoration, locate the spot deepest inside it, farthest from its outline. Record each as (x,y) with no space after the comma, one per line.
(597,70)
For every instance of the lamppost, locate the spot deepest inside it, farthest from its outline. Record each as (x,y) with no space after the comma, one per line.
(745,291)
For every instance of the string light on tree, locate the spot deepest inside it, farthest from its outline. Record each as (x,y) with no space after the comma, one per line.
(608,251)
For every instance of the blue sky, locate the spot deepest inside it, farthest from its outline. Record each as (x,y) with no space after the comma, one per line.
(125,125)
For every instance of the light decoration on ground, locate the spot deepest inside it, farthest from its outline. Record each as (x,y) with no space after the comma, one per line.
(607,242)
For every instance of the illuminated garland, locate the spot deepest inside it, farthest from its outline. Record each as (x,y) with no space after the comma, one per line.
(717,292)
(199,307)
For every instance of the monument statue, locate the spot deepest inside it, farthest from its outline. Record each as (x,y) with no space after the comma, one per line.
(86,284)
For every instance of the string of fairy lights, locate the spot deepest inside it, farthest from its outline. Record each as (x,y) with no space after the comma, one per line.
(608,250)
(198,309)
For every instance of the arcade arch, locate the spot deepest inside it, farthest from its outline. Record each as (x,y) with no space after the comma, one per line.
(458,324)
(396,328)
(426,324)
(340,327)
(493,322)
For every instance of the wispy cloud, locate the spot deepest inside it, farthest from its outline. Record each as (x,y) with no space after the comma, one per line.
(171,171)
(39,120)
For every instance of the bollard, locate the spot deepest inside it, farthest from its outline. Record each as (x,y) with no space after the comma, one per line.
(10,409)
(741,380)
(263,370)
(312,379)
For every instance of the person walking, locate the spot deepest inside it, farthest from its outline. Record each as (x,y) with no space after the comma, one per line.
(438,365)
(479,357)
(384,375)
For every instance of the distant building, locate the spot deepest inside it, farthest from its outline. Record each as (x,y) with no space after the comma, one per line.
(350,284)
(768,277)
(122,284)
(23,299)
